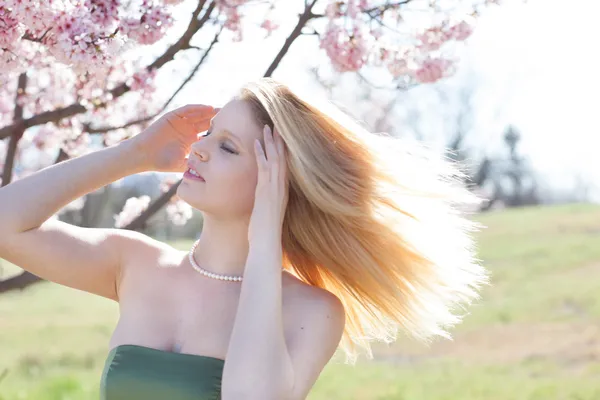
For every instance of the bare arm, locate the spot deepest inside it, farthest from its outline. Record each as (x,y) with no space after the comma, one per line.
(91,259)
(28,202)
(87,259)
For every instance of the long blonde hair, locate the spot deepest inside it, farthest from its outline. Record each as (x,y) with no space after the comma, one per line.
(374,219)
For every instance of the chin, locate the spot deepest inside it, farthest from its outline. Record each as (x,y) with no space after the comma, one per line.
(185,196)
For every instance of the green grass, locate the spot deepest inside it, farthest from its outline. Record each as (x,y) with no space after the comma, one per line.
(534,335)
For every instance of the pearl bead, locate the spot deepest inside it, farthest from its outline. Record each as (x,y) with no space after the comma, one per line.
(207,273)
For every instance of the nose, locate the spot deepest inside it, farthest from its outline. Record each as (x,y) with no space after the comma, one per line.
(199,152)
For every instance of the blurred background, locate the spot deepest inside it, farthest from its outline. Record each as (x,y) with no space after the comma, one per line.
(518,109)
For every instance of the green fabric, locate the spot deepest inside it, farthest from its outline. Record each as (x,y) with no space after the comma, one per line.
(135,372)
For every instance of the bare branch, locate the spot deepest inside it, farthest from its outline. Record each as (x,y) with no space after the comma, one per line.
(94,131)
(375,11)
(76,108)
(195,70)
(17,133)
(185,82)
(380,10)
(140,221)
(306,16)
(27,36)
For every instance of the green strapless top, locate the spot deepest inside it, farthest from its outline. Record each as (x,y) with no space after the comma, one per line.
(135,372)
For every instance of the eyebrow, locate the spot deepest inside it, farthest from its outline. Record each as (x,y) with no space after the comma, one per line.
(229,133)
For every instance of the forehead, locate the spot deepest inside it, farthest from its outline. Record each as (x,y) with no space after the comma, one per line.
(237,117)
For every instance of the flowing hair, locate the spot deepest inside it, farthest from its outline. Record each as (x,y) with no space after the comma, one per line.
(376,220)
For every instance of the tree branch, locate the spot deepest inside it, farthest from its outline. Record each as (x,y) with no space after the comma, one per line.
(76,108)
(380,9)
(17,133)
(385,7)
(162,200)
(306,16)
(26,278)
(105,129)
(182,44)
(141,220)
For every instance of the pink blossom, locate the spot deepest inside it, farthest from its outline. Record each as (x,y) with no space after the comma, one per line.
(115,136)
(150,27)
(167,183)
(399,67)
(134,206)
(6,104)
(269,26)
(334,9)
(179,212)
(10,61)
(460,31)
(233,19)
(78,146)
(143,80)
(103,12)
(36,16)
(347,52)
(432,39)
(352,9)
(433,69)
(72,55)
(10,28)
(364,4)
(233,16)
(47,137)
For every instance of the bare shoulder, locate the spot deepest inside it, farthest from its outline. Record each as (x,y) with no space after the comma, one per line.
(140,251)
(139,246)
(306,299)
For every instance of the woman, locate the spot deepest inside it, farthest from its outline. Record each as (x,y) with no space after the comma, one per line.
(316,234)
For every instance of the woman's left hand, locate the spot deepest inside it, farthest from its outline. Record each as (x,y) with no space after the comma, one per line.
(271,195)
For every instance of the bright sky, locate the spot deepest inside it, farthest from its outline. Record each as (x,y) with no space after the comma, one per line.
(547,55)
(538,63)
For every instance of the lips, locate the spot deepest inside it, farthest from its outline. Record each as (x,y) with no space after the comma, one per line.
(191,167)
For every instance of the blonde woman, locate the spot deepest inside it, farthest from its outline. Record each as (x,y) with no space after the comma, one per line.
(317,235)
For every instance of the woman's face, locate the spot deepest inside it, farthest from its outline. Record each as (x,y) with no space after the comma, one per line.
(225,158)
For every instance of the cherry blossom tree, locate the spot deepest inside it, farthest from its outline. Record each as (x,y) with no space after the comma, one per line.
(70,85)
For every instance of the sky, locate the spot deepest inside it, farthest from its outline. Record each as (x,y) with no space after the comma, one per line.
(537,64)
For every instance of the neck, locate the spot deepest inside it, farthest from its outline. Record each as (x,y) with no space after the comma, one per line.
(223,246)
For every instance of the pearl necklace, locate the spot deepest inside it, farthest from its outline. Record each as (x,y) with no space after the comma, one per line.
(208,273)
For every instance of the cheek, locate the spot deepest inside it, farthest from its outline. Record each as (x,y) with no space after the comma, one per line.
(243,183)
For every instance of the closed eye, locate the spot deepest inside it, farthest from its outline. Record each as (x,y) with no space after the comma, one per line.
(228,150)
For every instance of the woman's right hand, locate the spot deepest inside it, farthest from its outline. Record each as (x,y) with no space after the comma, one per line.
(165,144)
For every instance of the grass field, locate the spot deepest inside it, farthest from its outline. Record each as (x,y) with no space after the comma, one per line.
(534,335)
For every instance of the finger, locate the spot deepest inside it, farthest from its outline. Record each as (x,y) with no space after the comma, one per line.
(196,108)
(199,116)
(272,156)
(185,110)
(280,145)
(282,157)
(260,157)
(200,121)
(271,150)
